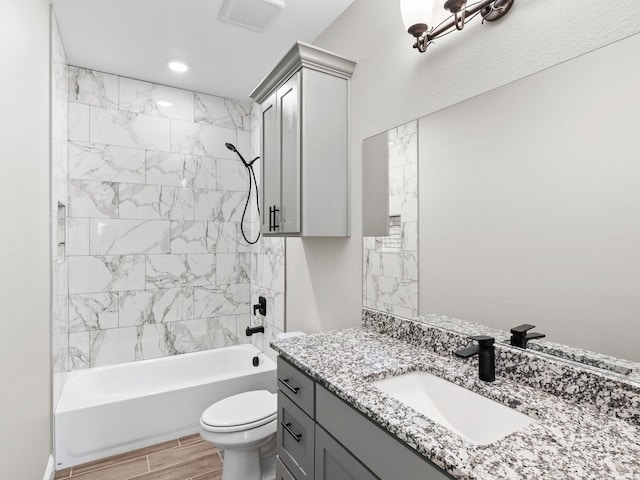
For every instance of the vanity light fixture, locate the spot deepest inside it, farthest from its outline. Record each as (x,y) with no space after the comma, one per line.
(178,67)
(163,103)
(418,14)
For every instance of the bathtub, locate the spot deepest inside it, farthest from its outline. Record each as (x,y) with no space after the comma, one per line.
(109,410)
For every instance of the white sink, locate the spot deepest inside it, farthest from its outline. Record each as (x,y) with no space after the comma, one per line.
(472,416)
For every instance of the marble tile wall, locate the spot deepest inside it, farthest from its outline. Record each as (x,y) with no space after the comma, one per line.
(267,263)
(390,276)
(59,195)
(157,264)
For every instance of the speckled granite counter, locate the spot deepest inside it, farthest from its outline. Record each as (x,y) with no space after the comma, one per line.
(568,441)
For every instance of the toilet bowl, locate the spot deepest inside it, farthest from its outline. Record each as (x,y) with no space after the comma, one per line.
(243,426)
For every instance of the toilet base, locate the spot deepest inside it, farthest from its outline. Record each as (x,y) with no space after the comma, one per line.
(246,459)
(248,465)
(243,464)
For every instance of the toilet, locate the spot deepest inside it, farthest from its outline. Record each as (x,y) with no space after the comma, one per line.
(243,426)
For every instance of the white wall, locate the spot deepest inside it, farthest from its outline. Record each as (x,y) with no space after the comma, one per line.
(25,370)
(533,218)
(393,84)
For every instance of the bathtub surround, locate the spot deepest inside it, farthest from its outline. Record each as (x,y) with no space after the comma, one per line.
(157,264)
(390,274)
(267,261)
(59,211)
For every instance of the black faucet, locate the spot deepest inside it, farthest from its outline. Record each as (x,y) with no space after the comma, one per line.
(486,356)
(520,335)
(261,306)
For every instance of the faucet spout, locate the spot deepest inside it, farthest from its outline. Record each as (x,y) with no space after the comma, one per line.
(468,352)
(486,352)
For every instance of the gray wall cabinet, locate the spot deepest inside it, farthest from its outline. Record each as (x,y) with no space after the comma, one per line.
(305,144)
(320,437)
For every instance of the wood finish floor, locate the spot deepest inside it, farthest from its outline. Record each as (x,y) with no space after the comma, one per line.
(187,458)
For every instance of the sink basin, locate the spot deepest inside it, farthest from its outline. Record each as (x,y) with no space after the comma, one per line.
(472,416)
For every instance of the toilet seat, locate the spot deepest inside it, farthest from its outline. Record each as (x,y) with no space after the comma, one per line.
(243,411)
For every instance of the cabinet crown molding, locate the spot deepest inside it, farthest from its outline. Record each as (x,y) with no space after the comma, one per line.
(302,55)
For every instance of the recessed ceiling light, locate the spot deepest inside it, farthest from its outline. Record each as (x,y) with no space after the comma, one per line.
(163,103)
(178,67)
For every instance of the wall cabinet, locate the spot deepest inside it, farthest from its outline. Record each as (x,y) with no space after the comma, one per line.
(305,144)
(320,437)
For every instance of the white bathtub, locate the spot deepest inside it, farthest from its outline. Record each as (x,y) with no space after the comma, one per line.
(109,410)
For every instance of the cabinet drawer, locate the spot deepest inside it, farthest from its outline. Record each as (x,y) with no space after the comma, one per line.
(295,438)
(333,461)
(297,386)
(281,471)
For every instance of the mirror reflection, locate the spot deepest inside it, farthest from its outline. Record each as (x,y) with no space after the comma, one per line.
(528,210)
(390,245)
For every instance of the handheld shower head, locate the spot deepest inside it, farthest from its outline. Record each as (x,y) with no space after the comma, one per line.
(252,177)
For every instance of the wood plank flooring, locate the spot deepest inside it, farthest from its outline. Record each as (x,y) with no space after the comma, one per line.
(187,458)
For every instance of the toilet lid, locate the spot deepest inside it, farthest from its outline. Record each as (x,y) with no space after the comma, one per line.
(242,411)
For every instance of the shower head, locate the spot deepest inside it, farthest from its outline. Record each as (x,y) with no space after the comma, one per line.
(233,148)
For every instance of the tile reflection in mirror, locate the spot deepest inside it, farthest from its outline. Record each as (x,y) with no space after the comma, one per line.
(390,225)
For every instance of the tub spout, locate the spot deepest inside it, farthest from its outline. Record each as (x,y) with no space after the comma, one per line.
(251,330)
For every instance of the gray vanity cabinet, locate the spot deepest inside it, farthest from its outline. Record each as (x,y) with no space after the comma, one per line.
(320,437)
(305,149)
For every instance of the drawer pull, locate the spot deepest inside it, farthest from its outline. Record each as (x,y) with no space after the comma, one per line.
(285,382)
(296,436)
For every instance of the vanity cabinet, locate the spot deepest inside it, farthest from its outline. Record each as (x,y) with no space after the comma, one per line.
(320,437)
(305,144)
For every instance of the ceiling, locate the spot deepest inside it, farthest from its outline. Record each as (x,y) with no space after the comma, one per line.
(137,38)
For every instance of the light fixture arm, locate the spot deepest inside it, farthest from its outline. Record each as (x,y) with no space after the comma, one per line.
(490,10)
(458,18)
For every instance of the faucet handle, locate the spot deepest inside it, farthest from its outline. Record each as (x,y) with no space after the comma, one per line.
(483,340)
(521,330)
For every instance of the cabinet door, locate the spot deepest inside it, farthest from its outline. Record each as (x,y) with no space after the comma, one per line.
(270,166)
(334,462)
(289,114)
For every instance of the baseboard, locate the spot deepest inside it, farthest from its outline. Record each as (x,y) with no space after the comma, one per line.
(50,471)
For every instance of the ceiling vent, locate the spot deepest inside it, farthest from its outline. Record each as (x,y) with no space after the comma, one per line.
(257,15)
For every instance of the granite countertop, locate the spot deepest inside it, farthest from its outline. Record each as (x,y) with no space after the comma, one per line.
(567,441)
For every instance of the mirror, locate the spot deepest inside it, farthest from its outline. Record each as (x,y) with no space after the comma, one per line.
(528,206)
(390,244)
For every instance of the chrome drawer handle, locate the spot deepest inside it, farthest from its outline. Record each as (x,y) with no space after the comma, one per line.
(296,436)
(285,382)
